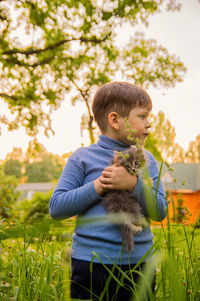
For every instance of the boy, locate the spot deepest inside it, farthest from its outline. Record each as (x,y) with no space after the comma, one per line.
(87,176)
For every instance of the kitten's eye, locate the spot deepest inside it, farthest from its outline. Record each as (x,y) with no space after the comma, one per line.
(137,164)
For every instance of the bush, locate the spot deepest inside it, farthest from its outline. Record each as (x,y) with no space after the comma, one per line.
(8,195)
(37,209)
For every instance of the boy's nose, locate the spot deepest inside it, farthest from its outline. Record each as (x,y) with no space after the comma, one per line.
(148,124)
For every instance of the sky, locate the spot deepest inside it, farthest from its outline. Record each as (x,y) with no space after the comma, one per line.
(179,33)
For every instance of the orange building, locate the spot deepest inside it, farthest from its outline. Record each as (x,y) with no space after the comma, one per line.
(182,185)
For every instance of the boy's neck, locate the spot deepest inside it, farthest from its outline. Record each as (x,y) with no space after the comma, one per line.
(110,134)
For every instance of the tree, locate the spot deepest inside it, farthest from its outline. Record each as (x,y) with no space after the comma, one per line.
(40,165)
(35,152)
(193,153)
(13,167)
(177,153)
(162,138)
(16,154)
(151,144)
(69,47)
(47,170)
(37,165)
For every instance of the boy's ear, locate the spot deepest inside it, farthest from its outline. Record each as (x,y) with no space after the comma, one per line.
(113,120)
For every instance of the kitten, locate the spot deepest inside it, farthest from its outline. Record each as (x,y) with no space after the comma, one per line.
(120,201)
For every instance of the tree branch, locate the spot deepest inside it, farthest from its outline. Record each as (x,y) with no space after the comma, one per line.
(32,51)
(15,61)
(4,95)
(85,95)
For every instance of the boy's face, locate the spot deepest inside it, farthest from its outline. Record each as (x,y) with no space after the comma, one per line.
(139,121)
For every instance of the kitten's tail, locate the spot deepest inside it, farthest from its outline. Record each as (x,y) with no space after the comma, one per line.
(127,237)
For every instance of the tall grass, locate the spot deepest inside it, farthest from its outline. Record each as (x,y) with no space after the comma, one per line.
(32,265)
(35,263)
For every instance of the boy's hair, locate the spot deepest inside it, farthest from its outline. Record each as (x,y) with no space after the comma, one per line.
(119,97)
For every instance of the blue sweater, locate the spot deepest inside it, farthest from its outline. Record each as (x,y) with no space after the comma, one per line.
(75,195)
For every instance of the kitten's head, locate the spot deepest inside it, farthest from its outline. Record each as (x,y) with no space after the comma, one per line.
(132,159)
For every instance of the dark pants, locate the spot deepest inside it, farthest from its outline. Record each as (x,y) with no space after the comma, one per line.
(99,280)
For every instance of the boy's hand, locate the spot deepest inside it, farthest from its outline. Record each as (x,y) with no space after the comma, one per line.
(116,177)
(98,186)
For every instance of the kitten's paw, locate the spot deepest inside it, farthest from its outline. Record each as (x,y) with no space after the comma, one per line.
(143,222)
(135,229)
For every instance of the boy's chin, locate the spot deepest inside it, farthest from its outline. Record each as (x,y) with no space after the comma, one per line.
(133,141)
(139,142)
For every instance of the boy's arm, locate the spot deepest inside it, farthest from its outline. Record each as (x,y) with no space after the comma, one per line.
(152,200)
(70,196)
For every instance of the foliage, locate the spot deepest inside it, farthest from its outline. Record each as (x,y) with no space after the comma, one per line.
(161,141)
(35,152)
(35,210)
(15,154)
(178,271)
(13,167)
(47,170)
(181,211)
(197,223)
(151,145)
(70,46)
(164,133)
(8,194)
(40,165)
(32,267)
(36,165)
(193,153)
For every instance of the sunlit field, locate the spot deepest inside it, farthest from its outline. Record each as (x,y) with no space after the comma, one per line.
(35,262)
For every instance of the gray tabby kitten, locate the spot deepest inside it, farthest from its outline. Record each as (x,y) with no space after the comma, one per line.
(120,201)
